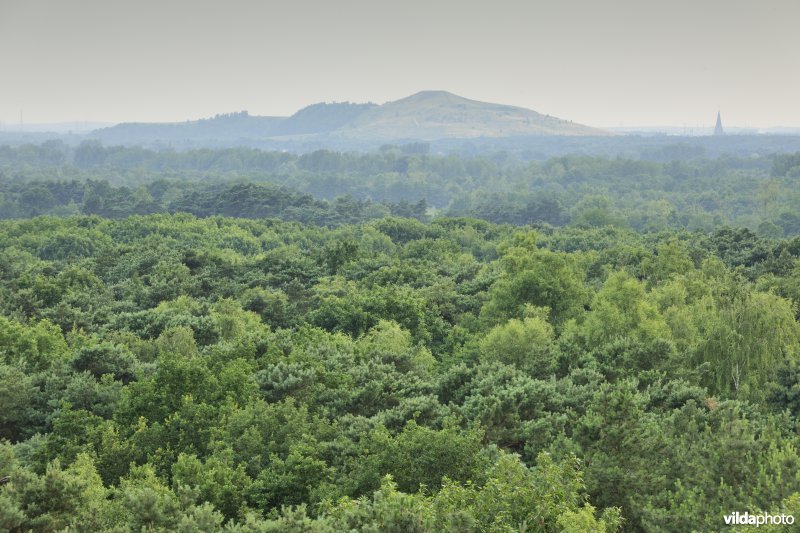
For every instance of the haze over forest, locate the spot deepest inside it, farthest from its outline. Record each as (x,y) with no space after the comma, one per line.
(468,268)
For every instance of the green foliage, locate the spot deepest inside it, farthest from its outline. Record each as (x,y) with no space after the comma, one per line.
(745,336)
(621,310)
(534,276)
(181,373)
(104,359)
(72,498)
(216,481)
(17,393)
(527,344)
(32,348)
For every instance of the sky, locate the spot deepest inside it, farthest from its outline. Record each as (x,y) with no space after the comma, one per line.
(598,62)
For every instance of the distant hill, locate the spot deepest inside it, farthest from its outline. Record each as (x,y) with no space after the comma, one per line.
(433,115)
(425,116)
(323,118)
(227,127)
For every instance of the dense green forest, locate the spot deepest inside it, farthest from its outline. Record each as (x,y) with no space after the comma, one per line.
(395,341)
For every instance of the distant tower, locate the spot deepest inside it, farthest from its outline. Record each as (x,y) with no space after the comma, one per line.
(718,128)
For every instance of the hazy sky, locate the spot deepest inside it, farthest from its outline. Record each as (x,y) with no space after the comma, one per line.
(598,62)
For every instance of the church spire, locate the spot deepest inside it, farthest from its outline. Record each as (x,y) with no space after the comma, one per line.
(718,128)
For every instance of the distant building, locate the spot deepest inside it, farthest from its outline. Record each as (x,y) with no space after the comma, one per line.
(718,128)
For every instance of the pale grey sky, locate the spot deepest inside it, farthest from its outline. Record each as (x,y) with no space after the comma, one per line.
(598,62)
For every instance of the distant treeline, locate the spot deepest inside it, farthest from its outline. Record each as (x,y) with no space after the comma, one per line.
(242,200)
(330,188)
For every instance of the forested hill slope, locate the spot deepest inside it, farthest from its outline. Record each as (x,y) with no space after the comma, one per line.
(323,118)
(235,127)
(431,115)
(229,126)
(427,115)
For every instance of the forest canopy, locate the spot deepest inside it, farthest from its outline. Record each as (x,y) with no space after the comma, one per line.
(395,341)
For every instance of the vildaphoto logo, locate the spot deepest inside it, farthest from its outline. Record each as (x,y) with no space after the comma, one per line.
(763,519)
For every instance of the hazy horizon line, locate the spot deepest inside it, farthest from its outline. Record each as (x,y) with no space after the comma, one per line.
(13,125)
(89,125)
